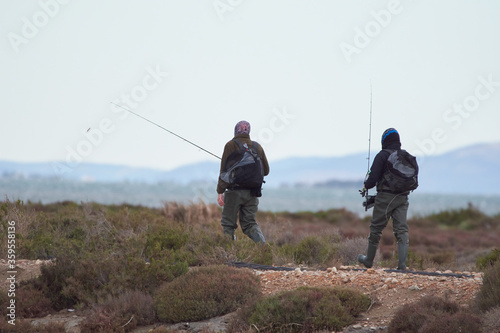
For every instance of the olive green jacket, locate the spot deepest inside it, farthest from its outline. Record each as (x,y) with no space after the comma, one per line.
(231,147)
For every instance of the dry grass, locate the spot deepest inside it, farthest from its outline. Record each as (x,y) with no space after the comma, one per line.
(121,313)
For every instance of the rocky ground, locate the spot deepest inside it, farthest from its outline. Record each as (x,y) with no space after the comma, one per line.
(387,289)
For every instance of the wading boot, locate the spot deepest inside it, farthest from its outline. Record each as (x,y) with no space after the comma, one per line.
(370,255)
(230,233)
(403,243)
(255,234)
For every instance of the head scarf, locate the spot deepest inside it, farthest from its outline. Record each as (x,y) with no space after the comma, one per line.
(242,127)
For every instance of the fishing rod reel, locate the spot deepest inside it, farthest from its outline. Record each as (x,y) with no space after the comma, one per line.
(369,202)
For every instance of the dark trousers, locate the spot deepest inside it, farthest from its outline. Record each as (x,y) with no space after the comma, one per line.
(389,205)
(242,203)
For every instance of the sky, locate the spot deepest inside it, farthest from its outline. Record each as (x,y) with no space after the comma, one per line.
(305,74)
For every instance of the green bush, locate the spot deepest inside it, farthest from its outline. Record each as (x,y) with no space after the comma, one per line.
(488,260)
(76,282)
(488,296)
(94,259)
(433,314)
(247,250)
(313,250)
(303,309)
(205,292)
(467,219)
(262,254)
(162,238)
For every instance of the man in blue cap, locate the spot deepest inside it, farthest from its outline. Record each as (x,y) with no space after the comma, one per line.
(387,204)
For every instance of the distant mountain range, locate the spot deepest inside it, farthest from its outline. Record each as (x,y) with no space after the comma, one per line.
(470,170)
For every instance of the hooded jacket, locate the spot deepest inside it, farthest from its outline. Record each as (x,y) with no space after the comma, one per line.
(379,165)
(231,147)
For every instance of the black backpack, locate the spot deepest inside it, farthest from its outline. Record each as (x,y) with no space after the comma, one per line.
(244,167)
(402,171)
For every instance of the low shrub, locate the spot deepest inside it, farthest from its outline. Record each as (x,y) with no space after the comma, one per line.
(26,327)
(79,282)
(53,281)
(433,314)
(205,292)
(469,218)
(160,238)
(452,323)
(313,250)
(491,320)
(302,310)
(121,314)
(488,260)
(415,260)
(350,248)
(247,250)
(262,254)
(488,296)
(4,303)
(442,257)
(31,301)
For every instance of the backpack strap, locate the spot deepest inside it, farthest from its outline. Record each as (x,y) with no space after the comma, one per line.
(238,142)
(255,145)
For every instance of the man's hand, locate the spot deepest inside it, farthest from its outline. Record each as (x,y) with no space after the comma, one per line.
(363,192)
(220,200)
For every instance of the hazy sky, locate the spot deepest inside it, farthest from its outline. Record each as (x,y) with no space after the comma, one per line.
(298,71)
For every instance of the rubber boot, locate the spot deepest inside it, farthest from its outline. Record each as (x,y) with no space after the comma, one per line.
(403,244)
(255,234)
(370,255)
(230,233)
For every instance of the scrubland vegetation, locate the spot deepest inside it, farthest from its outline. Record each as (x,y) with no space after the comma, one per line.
(128,266)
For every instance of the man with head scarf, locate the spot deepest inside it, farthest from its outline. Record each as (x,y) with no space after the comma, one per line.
(237,200)
(387,204)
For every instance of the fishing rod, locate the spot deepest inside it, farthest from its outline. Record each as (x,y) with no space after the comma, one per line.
(367,197)
(370,131)
(163,128)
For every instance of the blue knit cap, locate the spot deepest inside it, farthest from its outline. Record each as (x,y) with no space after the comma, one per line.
(388,132)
